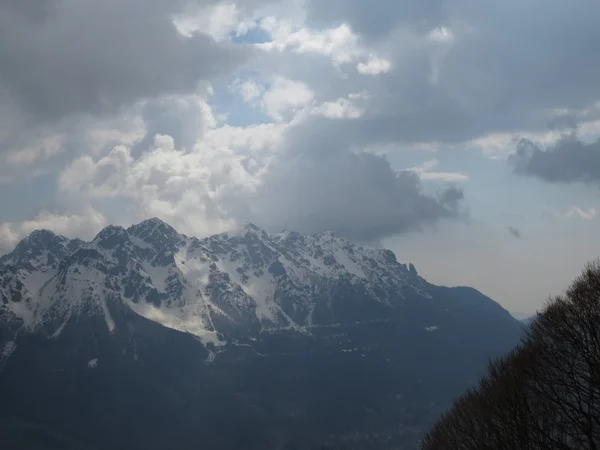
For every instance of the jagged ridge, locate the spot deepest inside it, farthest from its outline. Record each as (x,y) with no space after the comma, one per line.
(231,285)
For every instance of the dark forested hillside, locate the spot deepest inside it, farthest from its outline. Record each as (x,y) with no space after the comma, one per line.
(543,395)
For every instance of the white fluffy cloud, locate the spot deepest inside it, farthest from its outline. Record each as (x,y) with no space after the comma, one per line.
(217,20)
(84,224)
(350,107)
(341,44)
(374,66)
(198,191)
(250,90)
(285,96)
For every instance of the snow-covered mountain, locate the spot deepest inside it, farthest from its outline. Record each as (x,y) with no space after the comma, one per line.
(234,284)
(171,341)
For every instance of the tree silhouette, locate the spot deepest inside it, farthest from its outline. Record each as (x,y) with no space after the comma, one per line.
(545,394)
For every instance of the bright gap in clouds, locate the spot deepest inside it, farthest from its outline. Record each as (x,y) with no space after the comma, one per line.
(398,122)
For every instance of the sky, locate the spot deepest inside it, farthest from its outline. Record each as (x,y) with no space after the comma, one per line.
(463,135)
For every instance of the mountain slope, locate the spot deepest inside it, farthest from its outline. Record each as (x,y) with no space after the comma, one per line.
(294,341)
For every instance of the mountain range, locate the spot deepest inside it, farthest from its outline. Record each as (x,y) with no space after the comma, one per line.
(147,338)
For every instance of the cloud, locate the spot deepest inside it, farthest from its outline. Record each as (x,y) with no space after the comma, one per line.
(285,96)
(374,66)
(339,43)
(313,185)
(199,191)
(424,173)
(455,73)
(85,224)
(46,150)
(250,90)
(79,77)
(375,20)
(184,117)
(217,20)
(575,211)
(568,160)
(515,232)
(281,98)
(299,181)
(60,58)
(350,107)
(131,124)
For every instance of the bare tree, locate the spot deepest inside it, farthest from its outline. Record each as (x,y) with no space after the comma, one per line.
(545,394)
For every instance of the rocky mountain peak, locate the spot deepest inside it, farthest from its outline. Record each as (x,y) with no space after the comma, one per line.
(40,250)
(246,230)
(40,240)
(111,235)
(153,230)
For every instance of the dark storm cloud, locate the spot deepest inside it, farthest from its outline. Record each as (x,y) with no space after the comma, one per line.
(315,185)
(567,161)
(451,197)
(63,57)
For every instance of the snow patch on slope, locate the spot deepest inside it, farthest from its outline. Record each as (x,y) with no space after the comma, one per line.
(260,288)
(194,315)
(8,350)
(350,265)
(110,323)
(32,301)
(158,276)
(191,319)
